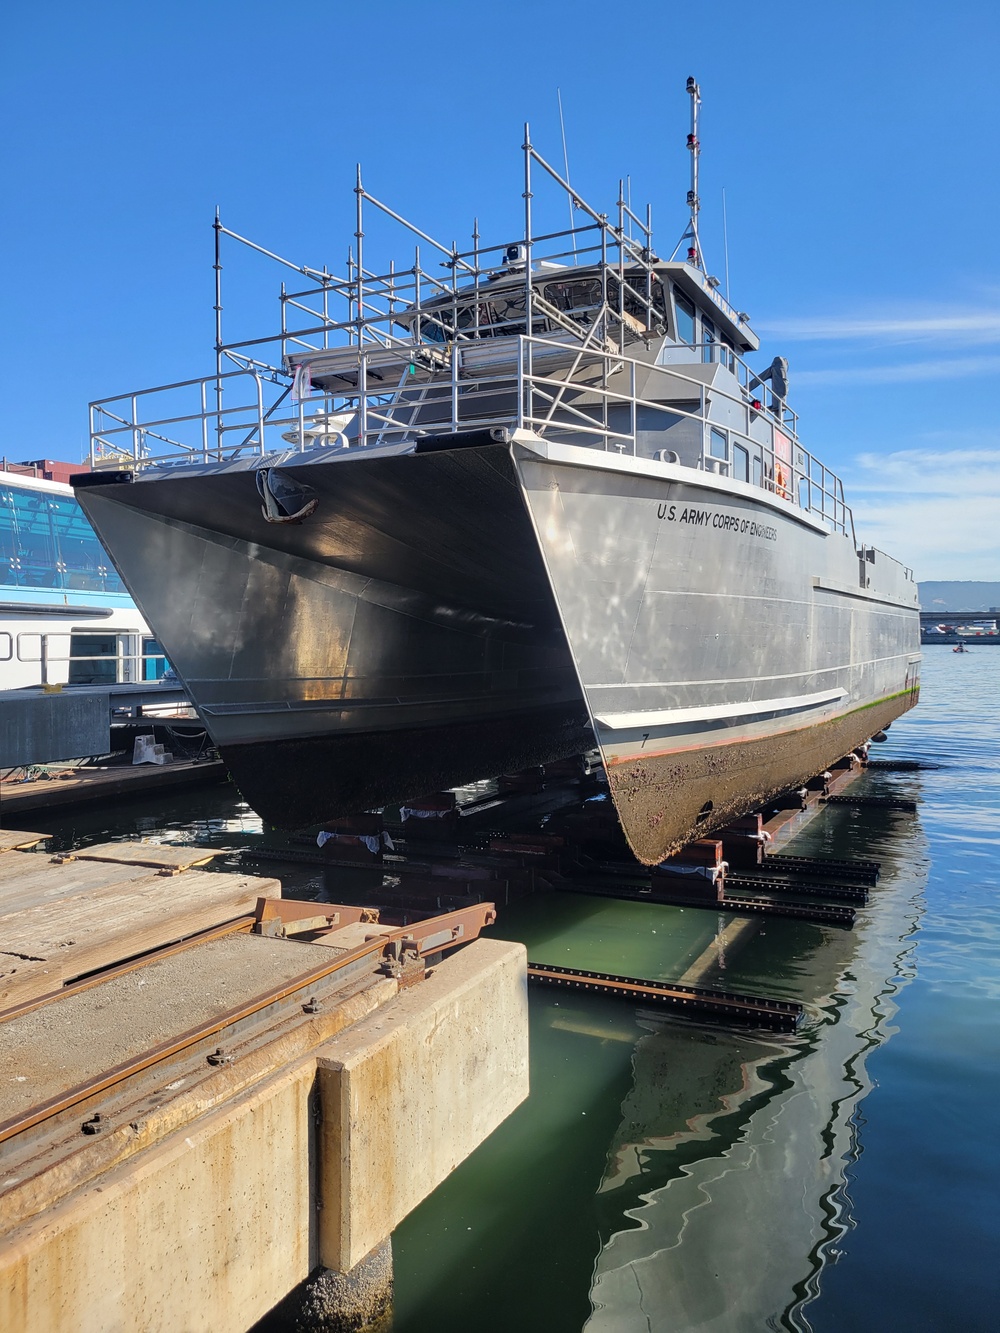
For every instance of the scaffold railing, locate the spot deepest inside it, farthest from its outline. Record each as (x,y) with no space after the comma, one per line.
(482,338)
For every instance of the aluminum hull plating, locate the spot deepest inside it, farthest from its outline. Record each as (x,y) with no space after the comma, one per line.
(729,645)
(402,639)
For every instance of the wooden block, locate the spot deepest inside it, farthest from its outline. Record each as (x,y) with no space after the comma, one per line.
(703,852)
(159,855)
(17,840)
(746,824)
(349,937)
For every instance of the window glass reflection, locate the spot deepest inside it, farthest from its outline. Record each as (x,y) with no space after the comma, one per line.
(46,542)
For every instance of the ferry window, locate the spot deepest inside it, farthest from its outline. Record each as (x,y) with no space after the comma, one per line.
(708,334)
(718,445)
(154,666)
(685,318)
(758,470)
(93,659)
(46,542)
(6,646)
(741,463)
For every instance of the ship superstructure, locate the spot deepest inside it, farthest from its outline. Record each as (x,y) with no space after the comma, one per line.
(451,521)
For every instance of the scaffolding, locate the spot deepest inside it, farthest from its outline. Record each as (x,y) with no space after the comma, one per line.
(557,333)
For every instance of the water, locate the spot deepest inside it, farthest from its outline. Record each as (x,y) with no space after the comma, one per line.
(665,1179)
(669,1178)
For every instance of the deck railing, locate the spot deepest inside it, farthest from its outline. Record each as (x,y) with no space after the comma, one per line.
(570,390)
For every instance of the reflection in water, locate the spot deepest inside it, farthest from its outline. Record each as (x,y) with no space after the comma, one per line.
(730,1161)
(705,1178)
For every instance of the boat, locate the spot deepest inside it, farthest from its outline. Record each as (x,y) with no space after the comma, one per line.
(66,618)
(465,515)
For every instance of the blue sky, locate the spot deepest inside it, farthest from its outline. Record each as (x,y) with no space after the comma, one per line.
(856,144)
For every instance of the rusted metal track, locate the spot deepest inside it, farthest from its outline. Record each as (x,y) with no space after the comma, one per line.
(235,926)
(693,1001)
(825,913)
(422,938)
(875,802)
(819,867)
(900,765)
(671,893)
(855,894)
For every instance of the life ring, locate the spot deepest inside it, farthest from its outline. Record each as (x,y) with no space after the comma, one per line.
(780,482)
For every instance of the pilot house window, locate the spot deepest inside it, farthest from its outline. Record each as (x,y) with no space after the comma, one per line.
(685,318)
(708,333)
(582,295)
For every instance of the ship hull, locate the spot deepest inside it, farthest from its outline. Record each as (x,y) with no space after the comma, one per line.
(729,645)
(449,615)
(402,639)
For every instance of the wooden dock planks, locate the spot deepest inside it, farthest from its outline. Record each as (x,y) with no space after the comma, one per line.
(15,840)
(60,920)
(27,881)
(158,856)
(93,784)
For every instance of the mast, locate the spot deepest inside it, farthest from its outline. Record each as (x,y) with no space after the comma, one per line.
(694,252)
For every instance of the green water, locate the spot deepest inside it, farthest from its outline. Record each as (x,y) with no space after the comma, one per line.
(668,1179)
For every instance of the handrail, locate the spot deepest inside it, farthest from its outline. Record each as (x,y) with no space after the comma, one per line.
(523,387)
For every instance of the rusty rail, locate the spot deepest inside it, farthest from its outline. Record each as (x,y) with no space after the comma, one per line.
(235,926)
(818,867)
(421,939)
(693,1001)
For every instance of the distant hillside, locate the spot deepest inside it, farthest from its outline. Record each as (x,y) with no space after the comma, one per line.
(960,595)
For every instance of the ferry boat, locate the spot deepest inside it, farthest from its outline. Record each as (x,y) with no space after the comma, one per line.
(463,516)
(65,616)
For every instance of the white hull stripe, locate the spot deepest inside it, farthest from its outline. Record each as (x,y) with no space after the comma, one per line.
(676,716)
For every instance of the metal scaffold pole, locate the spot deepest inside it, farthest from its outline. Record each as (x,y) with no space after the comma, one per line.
(217,227)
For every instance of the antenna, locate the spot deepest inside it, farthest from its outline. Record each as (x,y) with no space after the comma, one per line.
(562,130)
(725,238)
(694,252)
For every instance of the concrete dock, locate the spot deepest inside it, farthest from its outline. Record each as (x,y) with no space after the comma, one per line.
(211,1098)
